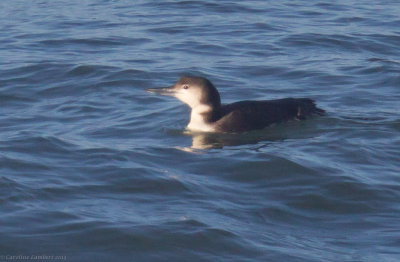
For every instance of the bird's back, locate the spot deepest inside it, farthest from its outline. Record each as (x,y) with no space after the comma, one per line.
(250,115)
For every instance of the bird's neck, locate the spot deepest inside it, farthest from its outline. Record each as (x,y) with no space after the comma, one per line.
(202,118)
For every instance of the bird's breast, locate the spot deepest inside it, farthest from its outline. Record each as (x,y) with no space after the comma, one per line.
(198,123)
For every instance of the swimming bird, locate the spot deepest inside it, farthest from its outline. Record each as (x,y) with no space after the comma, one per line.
(209,115)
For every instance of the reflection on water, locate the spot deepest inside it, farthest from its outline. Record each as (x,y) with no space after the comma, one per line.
(274,133)
(215,141)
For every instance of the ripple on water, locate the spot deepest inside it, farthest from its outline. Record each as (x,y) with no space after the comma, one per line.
(93,167)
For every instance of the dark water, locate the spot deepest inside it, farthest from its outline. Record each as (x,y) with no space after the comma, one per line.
(92,168)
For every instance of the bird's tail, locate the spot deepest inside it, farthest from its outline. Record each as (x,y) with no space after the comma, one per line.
(307,107)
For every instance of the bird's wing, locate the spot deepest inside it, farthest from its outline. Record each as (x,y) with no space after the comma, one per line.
(248,115)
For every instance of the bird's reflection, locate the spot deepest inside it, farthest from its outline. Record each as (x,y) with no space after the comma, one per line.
(219,141)
(275,133)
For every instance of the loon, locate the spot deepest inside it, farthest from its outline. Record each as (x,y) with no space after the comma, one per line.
(209,115)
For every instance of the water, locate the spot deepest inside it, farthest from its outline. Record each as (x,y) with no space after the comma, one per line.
(94,168)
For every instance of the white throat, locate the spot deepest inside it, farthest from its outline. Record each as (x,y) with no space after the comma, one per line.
(197,122)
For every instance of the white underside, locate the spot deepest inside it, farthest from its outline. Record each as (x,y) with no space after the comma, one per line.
(200,127)
(197,122)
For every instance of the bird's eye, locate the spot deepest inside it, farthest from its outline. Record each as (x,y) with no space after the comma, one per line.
(185,87)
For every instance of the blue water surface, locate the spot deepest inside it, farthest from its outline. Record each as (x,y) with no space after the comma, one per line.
(93,168)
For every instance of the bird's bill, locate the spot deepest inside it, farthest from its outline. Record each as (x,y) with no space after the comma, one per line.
(165,91)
